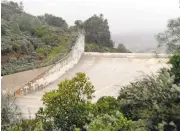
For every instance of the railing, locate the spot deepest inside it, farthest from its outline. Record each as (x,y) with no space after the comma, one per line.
(55,70)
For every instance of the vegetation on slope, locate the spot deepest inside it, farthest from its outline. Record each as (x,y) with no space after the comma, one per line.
(29,42)
(92,47)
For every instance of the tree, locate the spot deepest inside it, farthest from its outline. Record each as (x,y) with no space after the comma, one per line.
(69,106)
(171,37)
(106,104)
(10,113)
(13,4)
(21,7)
(55,21)
(29,23)
(97,31)
(78,24)
(115,122)
(175,62)
(121,48)
(25,23)
(154,99)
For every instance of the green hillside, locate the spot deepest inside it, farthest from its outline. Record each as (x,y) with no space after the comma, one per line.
(29,42)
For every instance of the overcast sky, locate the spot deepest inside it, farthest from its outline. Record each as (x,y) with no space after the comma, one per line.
(123,15)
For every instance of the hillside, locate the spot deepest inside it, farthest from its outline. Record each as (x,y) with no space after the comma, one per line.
(30,42)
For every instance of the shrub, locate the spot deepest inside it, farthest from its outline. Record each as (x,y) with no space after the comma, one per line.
(16,47)
(106,104)
(68,106)
(115,122)
(15,27)
(10,113)
(27,125)
(92,47)
(121,48)
(3,30)
(175,61)
(152,98)
(5,49)
(42,53)
(41,31)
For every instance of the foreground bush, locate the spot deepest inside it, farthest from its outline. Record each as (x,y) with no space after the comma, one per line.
(175,62)
(151,103)
(155,99)
(113,122)
(10,113)
(69,106)
(106,105)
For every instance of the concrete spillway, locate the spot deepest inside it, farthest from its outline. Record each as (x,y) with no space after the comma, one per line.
(107,73)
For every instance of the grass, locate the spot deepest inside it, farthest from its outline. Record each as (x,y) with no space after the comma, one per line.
(61,48)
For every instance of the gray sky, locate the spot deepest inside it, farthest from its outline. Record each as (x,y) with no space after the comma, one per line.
(124,16)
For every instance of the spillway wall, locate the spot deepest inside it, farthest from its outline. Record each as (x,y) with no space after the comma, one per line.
(55,70)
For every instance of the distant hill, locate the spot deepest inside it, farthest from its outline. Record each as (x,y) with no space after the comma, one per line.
(138,42)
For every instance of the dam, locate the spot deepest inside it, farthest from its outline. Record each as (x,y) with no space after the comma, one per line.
(108,72)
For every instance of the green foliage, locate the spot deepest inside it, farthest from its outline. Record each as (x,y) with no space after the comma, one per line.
(3,30)
(97,31)
(121,48)
(16,47)
(10,8)
(14,128)
(175,62)
(79,24)
(41,31)
(141,125)
(27,125)
(106,104)
(171,37)
(55,21)
(10,112)
(42,52)
(28,23)
(15,28)
(151,103)
(114,122)
(153,98)
(69,105)
(148,104)
(92,47)
(45,39)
